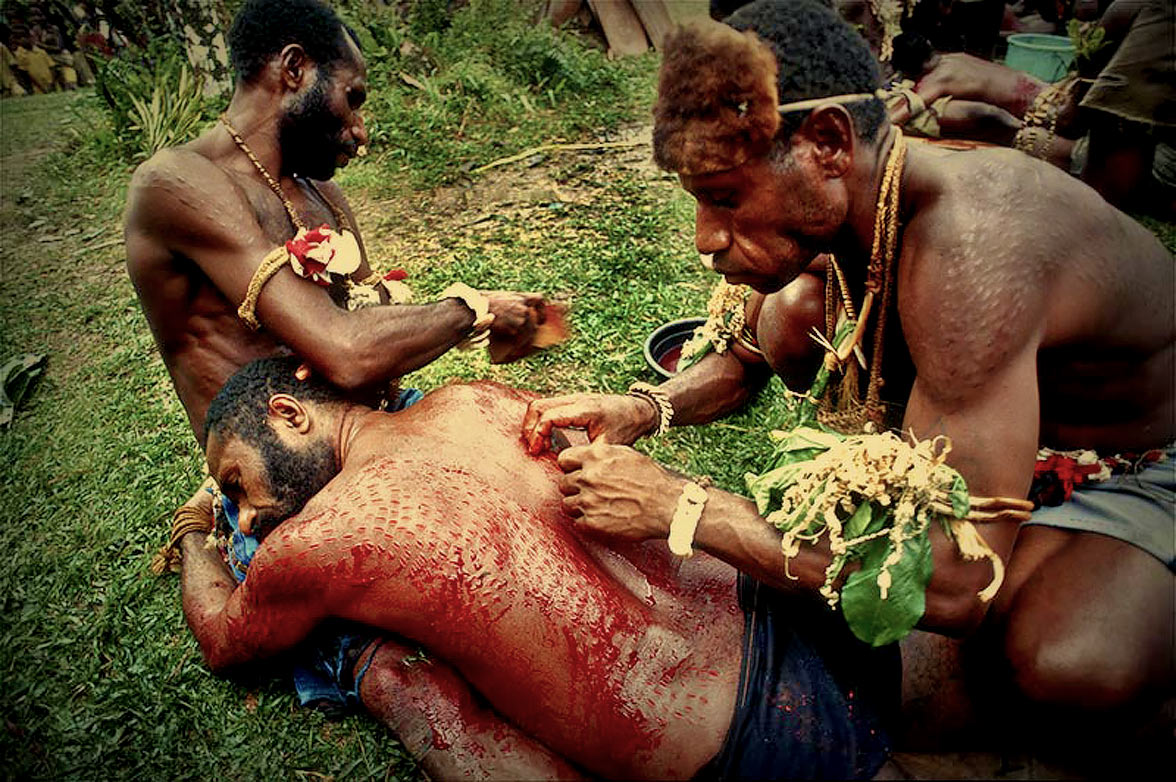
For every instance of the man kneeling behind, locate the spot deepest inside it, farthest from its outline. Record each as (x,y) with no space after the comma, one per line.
(434,524)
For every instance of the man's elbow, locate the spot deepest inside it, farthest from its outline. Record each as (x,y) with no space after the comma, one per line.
(216,662)
(959,613)
(219,658)
(352,366)
(210,635)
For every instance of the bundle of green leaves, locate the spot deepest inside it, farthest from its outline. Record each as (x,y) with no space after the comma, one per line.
(154,97)
(874,498)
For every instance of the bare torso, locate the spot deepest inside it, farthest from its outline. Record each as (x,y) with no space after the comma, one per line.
(441,529)
(197,330)
(1025,247)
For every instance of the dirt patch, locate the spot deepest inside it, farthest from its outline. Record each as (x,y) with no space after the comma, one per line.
(416,228)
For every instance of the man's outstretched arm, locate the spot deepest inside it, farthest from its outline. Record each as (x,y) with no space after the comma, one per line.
(712,388)
(716,386)
(427,704)
(190,206)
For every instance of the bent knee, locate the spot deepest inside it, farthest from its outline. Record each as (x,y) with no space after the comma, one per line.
(1073,670)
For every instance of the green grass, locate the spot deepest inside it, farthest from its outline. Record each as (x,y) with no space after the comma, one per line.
(99,676)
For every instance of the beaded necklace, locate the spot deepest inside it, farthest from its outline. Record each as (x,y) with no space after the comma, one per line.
(340,217)
(850,413)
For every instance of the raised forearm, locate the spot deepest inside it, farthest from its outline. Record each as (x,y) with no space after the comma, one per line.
(379,344)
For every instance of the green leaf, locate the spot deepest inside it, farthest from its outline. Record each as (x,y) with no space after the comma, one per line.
(768,488)
(860,521)
(803,444)
(694,350)
(807,438)
(877,621)
(961,503)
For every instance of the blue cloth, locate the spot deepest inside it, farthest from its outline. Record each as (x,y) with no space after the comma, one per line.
(1135,507)
(813,701)
(242,547)
(323,664)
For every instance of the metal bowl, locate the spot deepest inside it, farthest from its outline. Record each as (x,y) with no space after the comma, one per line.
(663,347)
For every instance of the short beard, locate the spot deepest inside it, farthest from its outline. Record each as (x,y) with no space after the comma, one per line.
(310,135)
(294,475)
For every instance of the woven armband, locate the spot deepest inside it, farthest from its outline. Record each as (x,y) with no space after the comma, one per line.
(277,258)
(661,402)
(479,333)
(186,519)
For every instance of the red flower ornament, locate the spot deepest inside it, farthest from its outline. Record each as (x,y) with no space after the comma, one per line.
(317,253)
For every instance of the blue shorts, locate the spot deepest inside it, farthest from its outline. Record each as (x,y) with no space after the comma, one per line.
(322,666)
(1135,507)
(813,700)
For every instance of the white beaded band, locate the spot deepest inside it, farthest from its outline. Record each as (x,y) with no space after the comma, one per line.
(660,400)
(686,517)
(479,333)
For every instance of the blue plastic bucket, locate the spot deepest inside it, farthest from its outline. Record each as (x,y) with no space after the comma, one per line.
(1047,57)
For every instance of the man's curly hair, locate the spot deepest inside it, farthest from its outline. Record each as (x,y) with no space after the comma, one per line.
(721,84)
(819,55)
(241,407)
(263,28)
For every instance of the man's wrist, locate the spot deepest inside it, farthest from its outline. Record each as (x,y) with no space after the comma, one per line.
(476,303)
(192,538)
(663,408)
(646,414)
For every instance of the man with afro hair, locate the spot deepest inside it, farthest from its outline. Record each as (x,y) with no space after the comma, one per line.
(994,301)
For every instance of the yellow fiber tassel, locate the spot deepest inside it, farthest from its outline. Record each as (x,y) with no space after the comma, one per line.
(973,547)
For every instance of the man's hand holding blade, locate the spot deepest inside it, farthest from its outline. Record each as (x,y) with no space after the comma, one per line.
(608,418)
(618,492)
(523,323)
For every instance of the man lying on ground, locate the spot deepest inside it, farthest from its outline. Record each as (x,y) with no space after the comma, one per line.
(1011,309)
(434,524)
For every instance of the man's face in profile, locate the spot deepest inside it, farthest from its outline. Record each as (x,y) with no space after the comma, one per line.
(316,133)
(269,481)
(311,134)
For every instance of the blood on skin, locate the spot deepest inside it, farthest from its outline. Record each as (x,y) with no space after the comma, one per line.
(1025,92)
(443,530)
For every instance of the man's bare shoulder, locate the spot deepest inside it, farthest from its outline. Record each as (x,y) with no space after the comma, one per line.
(314,530)
(972,282)
(177,176)
(1005,190)
(182,202)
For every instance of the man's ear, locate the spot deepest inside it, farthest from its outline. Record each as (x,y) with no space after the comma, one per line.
(288,411)
(295,66)
(830,129)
